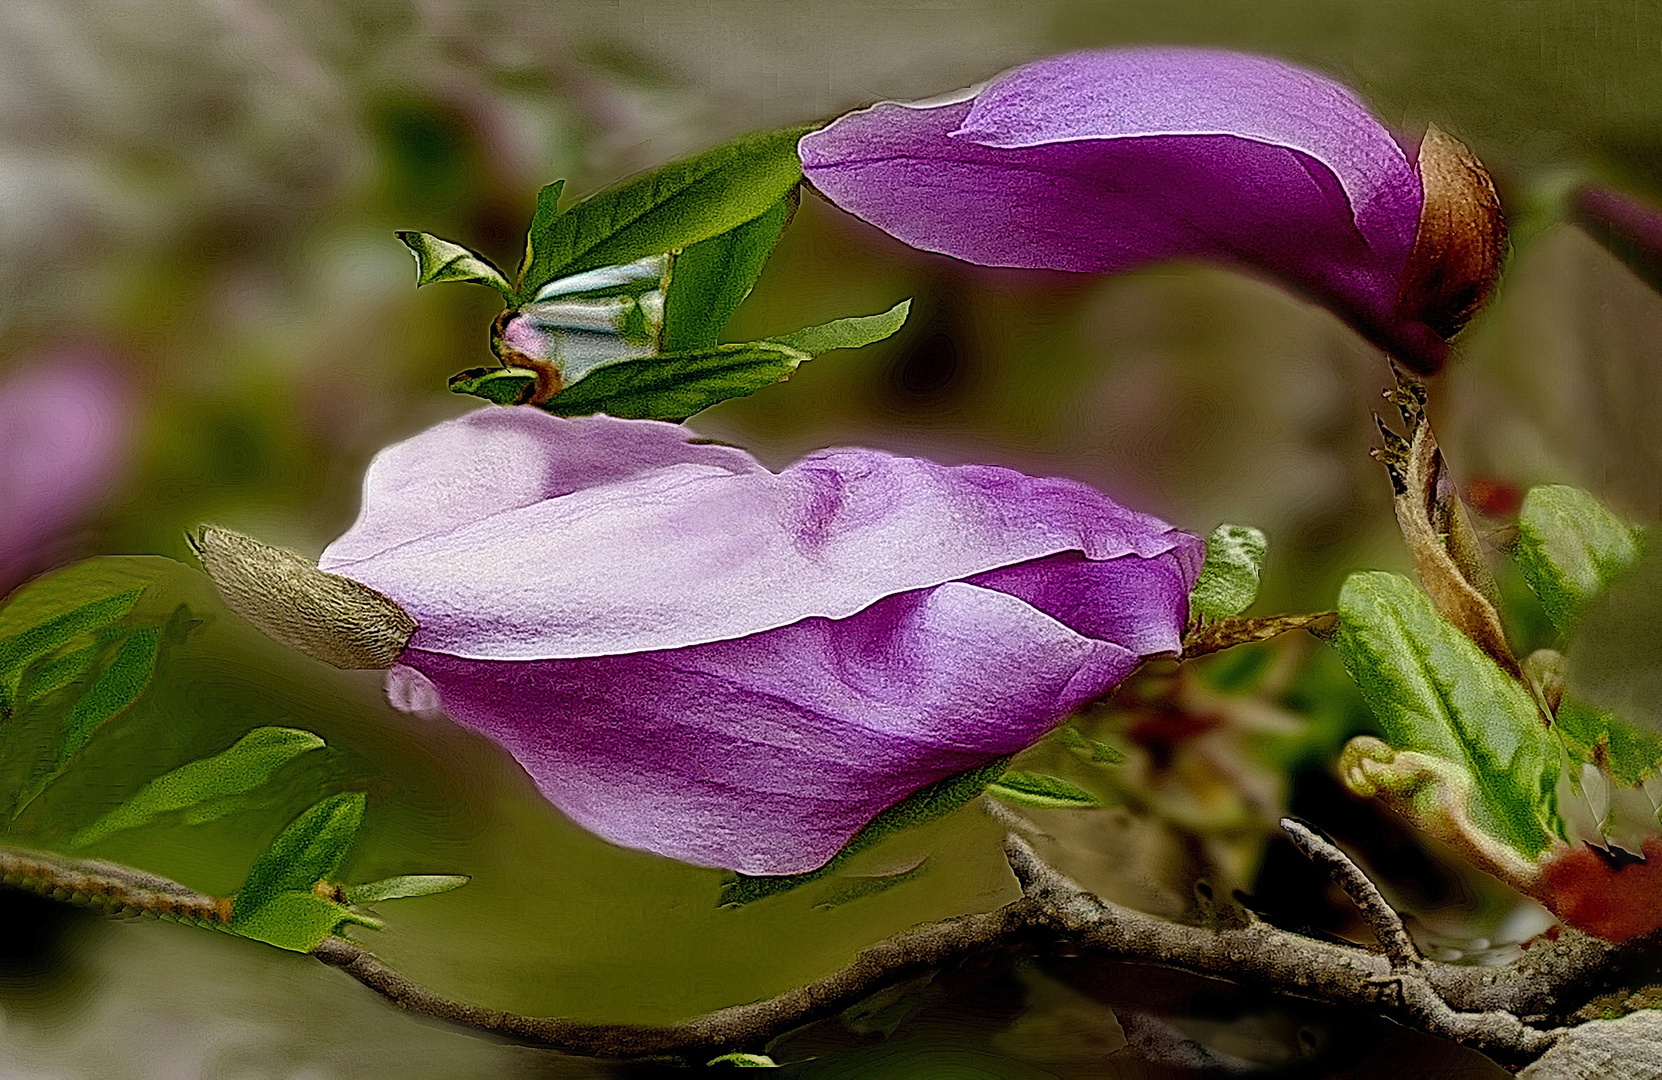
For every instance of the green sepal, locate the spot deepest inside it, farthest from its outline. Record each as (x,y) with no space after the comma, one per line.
(498,385)
(245,765)
(1438,696)
(1228,582)
(1570,549)
(1040,790)
(919,808)
(441,260)
(710,279)
(668,209)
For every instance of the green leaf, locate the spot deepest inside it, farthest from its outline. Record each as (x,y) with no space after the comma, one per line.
(847,333)
(712,277)
(21,649)
(542,221)
(1228,582)
(1092,750)
(296,919)
(744,1061)
(1037,789)
(247,764)
(669,209)
(397,888)
(674,386)
(1570,548)
(113,690)
(441,260)
(1435,693)
(919,808)
(1628,754)
(498,385)
(309,850)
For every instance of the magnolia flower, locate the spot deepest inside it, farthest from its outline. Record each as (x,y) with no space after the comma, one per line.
(696,656)
(1103,161)
(63,436)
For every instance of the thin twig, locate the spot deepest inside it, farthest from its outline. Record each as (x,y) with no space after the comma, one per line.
(1381,918)
(108,886)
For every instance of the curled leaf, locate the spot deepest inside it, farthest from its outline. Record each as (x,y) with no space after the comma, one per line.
(1228,582)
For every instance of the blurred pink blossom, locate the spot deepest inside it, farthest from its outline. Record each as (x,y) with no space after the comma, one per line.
(65,427)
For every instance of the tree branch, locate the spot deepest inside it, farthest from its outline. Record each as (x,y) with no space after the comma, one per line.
(1486,1008)
(1381,919)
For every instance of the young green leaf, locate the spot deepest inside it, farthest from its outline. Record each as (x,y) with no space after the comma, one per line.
(847,333)
(19,650)
(669,209)
(744,1061)
(309,850)
(441,260)
(1037,789)
(1570,548)
(1093,750)
(296,919)
(919,808)
(674,386)
(1228,582)
(1628,754)
(247,764)
(1436,694)
(712,277)
(398,888)
(113,690)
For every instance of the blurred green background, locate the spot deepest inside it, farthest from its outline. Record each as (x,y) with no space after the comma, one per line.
(208,189)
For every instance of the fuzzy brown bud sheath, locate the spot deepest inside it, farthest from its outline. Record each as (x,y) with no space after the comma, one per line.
(1460,242)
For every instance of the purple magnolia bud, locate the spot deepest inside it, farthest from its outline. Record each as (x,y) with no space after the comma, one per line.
(696,656)
(1107,160)
(64,424)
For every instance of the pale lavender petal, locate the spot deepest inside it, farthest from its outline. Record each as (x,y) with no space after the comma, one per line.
(768,753)
(64,426)
(494,459)
(704,545)
(1104,161)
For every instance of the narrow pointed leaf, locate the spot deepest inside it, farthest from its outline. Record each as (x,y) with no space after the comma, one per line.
(668,209)
(1570,548)
(674,386)
(113,689)
(542,221)
(919,808)
(441,260)
(498,385)
(712,277)
(19,650)
(1093,750)
(247,764)
(1228,582)
(398,888)
(309,850)
(847,333)
(1435,693)
(53,674)
(1037,789)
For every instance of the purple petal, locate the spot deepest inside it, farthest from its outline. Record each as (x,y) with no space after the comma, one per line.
(64,425)
(1104,161)
(510,534)
(768,753)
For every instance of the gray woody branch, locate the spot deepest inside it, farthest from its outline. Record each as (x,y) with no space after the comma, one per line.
(1500,1011)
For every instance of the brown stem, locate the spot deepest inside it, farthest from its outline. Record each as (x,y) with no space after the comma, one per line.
(1227,633)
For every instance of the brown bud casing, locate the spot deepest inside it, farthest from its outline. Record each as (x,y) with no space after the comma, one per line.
(326,616)
(1460,242)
